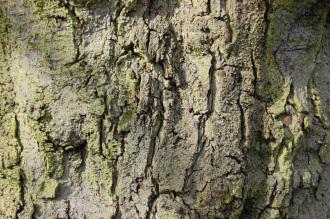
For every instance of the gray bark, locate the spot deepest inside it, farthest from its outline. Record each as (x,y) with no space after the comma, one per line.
(164,109)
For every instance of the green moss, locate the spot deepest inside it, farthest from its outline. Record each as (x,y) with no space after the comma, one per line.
(278,107)
(286,4)
(98,169)
(285,160)
(271,214)
(316,102)
(122,95)
(258,193)
(112,149)
(56,42)
(41,136)
(288,137)
(9,148)
(10,192)
(130,80)
(130,4)
(307,123)
(40,5)
(126,120)
(284,174)
(4,39)
(99,173)
(54,164)
(271,82)
(6,88)
(47,189)
(97,106)
(216,198)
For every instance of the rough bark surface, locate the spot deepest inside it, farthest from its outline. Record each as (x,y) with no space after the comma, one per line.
(164,109)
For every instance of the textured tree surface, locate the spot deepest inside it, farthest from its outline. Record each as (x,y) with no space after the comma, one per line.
(165,109)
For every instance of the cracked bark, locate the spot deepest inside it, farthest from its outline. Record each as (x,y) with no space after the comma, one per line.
(164,109)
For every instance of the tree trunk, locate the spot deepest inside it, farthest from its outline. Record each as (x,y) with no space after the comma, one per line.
(165,109)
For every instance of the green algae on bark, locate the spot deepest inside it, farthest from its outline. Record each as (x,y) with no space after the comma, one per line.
(180,109)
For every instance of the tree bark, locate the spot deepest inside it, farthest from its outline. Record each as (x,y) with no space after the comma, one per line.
(164,109)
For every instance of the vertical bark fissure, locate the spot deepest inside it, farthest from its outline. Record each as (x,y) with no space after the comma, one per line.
(202,118)
(186,146)
(152,147)
(242,114)
(78,25)
(101,135)
(21,175)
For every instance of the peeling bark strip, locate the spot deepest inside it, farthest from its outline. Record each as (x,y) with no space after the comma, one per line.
(165,109)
